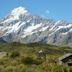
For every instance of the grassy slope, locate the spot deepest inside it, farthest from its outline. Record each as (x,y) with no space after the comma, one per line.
(23,58)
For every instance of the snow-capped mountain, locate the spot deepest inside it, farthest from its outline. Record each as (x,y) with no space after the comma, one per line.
(21,26)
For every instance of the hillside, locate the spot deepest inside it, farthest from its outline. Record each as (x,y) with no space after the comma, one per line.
(21,26)
(24,58)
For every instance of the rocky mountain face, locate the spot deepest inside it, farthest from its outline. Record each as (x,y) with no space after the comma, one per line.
(21,26)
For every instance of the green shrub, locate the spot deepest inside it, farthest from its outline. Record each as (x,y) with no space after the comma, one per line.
(14,54)
(29,60)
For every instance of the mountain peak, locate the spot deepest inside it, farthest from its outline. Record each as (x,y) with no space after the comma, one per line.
(20,26)
(16,12)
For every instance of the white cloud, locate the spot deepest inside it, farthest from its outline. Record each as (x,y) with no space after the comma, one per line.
(47,11)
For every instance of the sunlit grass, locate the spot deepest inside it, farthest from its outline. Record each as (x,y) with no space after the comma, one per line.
(23,58)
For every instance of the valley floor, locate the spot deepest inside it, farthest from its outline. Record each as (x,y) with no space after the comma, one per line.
(24,58)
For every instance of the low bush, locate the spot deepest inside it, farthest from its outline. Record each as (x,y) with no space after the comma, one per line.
(29,60)
(14,54)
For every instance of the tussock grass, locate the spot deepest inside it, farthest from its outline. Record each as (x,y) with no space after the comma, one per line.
(24,58)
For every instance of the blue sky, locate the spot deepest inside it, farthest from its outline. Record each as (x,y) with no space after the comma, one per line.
(54,9)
